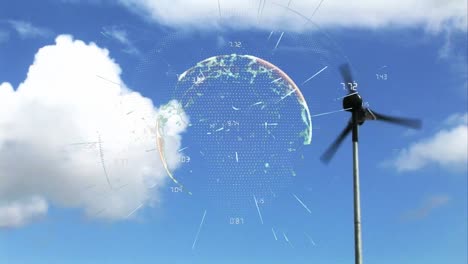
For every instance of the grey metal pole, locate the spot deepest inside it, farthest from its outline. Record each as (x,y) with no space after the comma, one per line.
(357,207)
(357,199)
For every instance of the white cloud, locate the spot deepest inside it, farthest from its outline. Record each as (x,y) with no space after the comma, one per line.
(28,30)
(448,148)
(455,56)
(432,14)
(72,95)
(427,207)
(19,213)
(117,34)
(121,36)
(456,119)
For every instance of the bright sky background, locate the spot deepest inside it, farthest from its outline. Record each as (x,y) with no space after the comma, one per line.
(71,71)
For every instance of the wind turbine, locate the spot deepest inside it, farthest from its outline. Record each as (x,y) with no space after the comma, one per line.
(359,114)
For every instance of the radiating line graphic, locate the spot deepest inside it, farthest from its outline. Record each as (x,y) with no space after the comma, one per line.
(279,40)
(116,83)
(310,239)
(271,34)
(274,233)
(101,154)
(280,78)
(288,94)
(316,9)
(258,209)
(346,96)
(199,229)
(287,239)
(132,212)
(313,76)
(182,149)
(303,204)
(332,112)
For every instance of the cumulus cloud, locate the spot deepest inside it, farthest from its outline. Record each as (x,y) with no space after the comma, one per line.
(21,212)
(27,30)
(432,14)
(447,148)
(72,135)
(427,207)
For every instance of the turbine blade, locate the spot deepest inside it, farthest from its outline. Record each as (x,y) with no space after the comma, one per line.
(328,155)
(407,122)
(345,71)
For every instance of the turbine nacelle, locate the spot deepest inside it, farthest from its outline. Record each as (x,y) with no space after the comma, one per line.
(353,103)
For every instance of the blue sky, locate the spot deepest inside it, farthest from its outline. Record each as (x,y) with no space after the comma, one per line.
(72,71)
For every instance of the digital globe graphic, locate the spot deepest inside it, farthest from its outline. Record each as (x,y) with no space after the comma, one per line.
(246,122)
(232,124)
